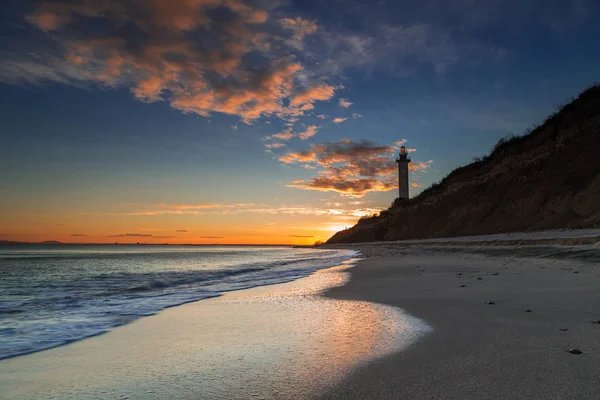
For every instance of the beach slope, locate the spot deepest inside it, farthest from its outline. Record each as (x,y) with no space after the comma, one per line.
(516,348)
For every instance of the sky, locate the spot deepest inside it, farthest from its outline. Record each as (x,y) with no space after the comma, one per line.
(273,122)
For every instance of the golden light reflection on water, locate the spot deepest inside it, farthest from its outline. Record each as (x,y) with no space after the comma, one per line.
(282,341)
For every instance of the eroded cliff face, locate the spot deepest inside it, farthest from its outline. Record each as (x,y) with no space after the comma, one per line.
(549,179)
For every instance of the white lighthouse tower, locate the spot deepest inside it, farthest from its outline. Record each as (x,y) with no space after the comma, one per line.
(403,161)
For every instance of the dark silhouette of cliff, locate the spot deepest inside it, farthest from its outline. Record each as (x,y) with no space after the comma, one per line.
(546,179)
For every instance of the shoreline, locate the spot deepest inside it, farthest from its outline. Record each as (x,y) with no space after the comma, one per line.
(210,293)
(479,350)
(279,341)
(476,350)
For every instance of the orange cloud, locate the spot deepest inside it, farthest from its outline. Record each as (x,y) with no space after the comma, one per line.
(309,132)
(312,94)
(351,187)
(173,63)
(420,166)
(339,120)
(351,168)
(299,26)
(47,20)
(285,135)
(291,158)
(348,167)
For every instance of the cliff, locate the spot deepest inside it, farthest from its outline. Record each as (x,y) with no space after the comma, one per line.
(547,179)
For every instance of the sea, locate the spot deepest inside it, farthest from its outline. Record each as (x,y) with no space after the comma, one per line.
(51,295)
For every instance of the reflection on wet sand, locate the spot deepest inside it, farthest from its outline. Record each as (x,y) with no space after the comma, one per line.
(282,341)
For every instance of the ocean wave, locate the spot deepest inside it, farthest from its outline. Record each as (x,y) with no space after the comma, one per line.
(68,300)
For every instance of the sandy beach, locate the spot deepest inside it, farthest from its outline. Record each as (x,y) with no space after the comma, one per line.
(404,323)
(479,350)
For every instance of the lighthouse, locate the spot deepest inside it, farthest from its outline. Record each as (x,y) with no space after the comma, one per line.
(403,161)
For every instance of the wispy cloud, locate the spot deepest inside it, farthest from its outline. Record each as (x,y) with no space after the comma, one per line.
(339,120)
(344,103)
(299,26)
(182,209)
(139,235)
(201,206)
(131,235)
(78,235)
(288,134)
(338,211)
(181,230)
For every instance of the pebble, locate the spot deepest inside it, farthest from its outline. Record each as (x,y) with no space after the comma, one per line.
(575,351)
(480,278)
(528,310)
(490,303)
(460,273)
(462,286)
(597,322)
(564,329)
(575,272)
(495,273)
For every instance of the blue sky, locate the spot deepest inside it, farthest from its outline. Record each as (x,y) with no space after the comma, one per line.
(287,114)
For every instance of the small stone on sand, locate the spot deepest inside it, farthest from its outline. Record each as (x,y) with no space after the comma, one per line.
(563,329)
(574,351)
(597,322)
(490,303)
(462,286)
(480,278)
(528,310)
(495,273)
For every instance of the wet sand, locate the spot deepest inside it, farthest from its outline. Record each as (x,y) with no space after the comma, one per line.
(273,342)
(478,350)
